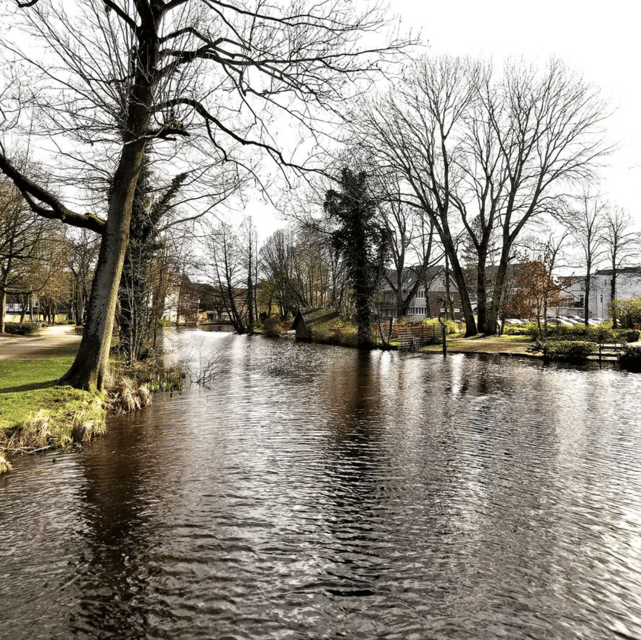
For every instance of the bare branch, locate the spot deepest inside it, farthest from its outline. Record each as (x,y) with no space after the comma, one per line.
(54,210)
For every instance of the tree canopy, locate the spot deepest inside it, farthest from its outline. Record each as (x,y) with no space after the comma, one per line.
(195,83)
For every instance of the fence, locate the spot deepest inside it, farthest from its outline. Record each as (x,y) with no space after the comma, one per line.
(413,336)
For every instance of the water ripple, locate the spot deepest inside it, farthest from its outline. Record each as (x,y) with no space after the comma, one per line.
(319,493)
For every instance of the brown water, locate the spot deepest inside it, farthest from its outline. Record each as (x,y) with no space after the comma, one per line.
(314,492)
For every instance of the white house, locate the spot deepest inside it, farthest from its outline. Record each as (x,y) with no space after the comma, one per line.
(628,285)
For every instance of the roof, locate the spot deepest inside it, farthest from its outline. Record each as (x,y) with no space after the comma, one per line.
(636,271)
(435,274)
(314,315)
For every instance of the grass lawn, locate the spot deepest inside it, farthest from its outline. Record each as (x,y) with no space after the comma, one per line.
(484,344)
(27,385)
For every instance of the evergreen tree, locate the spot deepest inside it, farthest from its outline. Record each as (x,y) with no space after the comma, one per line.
(361,242)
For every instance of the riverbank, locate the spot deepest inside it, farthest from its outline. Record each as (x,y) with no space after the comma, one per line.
(37,415)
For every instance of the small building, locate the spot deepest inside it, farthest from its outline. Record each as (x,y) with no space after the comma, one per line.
(306,319)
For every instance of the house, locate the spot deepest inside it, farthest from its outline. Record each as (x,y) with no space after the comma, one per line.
(628,285)
(307,319)
(430,296)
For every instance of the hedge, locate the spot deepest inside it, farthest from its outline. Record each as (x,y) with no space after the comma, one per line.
(21,328)
(569,351)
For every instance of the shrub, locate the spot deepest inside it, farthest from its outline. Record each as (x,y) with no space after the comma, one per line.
(600,334)
(627,335)
(628,312)
(631,358)
(272,327)
(523,329)
(569,351)
(21,328)
(450,326)
(530,329)
(337,332)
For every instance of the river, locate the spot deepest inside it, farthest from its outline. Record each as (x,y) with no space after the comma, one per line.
(312,492)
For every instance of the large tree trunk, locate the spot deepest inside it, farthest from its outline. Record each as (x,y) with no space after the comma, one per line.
(497,294)
(483,317)
(586,306)
(3,308)
(90,366)
(459,278)
(89,369)
(613,290)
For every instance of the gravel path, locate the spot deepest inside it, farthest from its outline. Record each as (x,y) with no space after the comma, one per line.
(39,343)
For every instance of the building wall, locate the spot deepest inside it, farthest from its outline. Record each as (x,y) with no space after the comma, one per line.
(628,286)
(419,309)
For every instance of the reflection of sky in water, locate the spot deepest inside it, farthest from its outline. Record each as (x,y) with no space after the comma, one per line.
(314,491)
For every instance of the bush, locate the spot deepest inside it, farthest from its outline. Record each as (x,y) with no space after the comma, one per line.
(272,327)
(450,326)
(628,335)
(336,332)
(569,351)
(523,329)
(21,328)
(631,358)
(628,312)
(600,334)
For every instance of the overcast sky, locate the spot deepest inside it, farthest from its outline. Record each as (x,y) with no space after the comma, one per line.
(600,40)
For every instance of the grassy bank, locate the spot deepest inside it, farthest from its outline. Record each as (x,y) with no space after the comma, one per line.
(512,345)
(36,415)
(27,385)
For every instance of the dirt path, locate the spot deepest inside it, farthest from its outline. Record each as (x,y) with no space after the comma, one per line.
(37,344)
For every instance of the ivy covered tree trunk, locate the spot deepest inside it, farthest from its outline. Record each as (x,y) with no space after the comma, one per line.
(135,293)
(361,242)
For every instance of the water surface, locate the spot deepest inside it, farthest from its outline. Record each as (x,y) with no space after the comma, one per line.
(315,492)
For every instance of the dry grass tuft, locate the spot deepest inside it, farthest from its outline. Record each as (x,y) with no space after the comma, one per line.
(5,465)
(52,429)
(127,395)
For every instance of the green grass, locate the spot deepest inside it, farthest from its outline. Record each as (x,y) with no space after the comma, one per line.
(27,385)
(514,338)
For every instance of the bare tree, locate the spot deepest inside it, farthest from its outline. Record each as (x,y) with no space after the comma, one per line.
(278,284)
(122,77)
(484,156)
(32,252)
(413,247)
(82,255)
(232,255)
(586,222)
(413,131)
(622,245)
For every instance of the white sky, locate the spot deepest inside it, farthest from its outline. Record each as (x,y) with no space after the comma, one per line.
(600,41)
